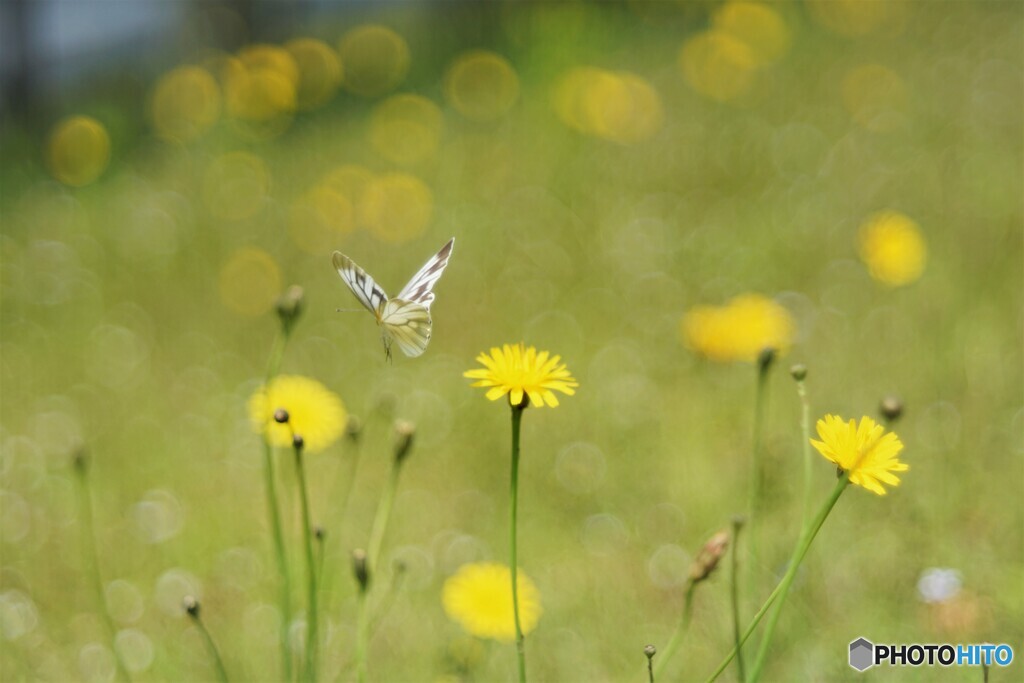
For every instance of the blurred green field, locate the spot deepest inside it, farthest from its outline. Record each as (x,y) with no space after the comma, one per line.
(137,321)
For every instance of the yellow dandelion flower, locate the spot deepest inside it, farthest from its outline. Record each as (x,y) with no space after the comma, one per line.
(313,411)
(518,370)
(892,247)
(479,597)
(740,330)
(865,452)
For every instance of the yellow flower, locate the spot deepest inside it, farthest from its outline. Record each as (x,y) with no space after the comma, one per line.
(313,412)
(892,247)
(865,452)
(518,370)
(479,597)
(740,330)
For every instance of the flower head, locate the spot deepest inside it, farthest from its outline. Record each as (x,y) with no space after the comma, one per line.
(865,452)
(313,411)
(893,249)
(479,597)
(518,370)
(740,330)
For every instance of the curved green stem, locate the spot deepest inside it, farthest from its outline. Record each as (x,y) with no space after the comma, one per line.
(681,629)
(222,673)
(783,588)
(91,560)
(312,638)
(517,417)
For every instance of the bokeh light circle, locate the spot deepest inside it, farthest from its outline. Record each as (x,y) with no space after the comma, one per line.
(78,150)
(718,65)
(406,129)
(250,282)
(186,102)
(319,71)
(481,85)
(397,207)
(375,60)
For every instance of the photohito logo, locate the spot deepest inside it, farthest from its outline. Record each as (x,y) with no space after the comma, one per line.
(864,654)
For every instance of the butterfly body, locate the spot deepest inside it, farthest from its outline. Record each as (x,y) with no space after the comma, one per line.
(405,319)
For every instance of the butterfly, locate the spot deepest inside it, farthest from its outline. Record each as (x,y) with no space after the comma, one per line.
(406,318)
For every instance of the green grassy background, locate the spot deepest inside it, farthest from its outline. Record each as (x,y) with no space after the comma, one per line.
(590,249)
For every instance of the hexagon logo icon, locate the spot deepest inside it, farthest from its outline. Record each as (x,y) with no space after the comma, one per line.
(862,653)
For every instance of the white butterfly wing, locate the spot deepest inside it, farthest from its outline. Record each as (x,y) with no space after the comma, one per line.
(362,285)
(407,323)
(421,286)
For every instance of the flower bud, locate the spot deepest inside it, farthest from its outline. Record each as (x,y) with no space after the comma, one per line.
(404,432)
(766,358)
(191,606)
(281,416)
(798,372)
(353,428)
(708,557)
(319,532)
(891,408)
(289,306)
(650,651)
(298,442)
(360,568)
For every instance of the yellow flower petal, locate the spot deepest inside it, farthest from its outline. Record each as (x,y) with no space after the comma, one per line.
(521,371)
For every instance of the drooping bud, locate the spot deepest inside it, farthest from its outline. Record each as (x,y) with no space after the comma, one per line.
(708,557)
(765,358)
(191,606)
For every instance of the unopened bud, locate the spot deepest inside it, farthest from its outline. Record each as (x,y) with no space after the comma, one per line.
(80,459)
(798,372)
(353,428)
(891,408)
(766,358)
(650,651)
(404,433)
(360,568)
(298,442)
(280,416)
(289,306)
(191,606)
(708,557)
(319,532)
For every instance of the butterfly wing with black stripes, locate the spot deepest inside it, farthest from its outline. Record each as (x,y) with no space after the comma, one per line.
(362,285)
(420,289)
(408,324)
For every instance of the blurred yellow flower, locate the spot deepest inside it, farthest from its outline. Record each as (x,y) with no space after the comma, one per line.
(740,330)
(314,412)
(892,247)
(865,452)
(479,597)
(518,370)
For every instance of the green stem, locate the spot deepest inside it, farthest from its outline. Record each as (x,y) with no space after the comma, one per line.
(273,509)
(307,535)
(91,560)
(805,431)
(281,558)
(222,673)
(681,628)
(780,590)
(377,532)
(737,526)
(362,635)
(517,417)
(380,520)
(757,476)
